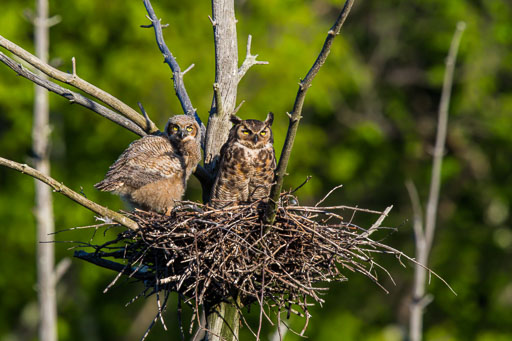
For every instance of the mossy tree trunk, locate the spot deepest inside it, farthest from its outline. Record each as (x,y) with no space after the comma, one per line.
(223,322)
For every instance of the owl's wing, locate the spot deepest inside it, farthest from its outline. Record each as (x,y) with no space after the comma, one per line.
(146,160)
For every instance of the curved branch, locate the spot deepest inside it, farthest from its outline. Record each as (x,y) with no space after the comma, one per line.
(73,97)
(80,84)
(61,188)
(295,115)
(177,74)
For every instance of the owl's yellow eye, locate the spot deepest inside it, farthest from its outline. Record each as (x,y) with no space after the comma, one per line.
(245,132)
(189,128)
(175,128)
(263,133)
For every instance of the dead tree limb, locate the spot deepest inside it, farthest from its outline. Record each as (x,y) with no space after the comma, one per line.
(177,74)
(66,191)
(250,60)
(424,234)
(117,267)
(79,83)
(295,115)
(73,97)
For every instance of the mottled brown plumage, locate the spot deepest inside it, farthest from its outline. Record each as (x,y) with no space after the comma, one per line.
(152,172)
(247,163)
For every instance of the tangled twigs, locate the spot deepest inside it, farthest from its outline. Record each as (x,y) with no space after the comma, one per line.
(207,254)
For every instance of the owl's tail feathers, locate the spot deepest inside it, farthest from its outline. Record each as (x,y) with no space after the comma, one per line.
(107,186)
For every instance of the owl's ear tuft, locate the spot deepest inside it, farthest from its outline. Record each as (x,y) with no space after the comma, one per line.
(235,119)
(269,119)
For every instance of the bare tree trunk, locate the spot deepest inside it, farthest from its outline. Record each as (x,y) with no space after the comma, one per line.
(226,79)
(223,318)
(43,200)
(424,233)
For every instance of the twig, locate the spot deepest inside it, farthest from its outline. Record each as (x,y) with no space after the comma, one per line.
(80,84)
(378,223)
(219,108)
(238,107)
(327,195)
(73,97)
(61,188)
(249,61)
(295,115)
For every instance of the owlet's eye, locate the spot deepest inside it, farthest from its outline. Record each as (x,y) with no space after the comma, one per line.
(245,132)
(175,128)
(189,128)
(263,133)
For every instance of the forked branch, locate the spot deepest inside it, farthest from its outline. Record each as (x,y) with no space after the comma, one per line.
(295,115)
(79,83)
(64,190)
(250,60)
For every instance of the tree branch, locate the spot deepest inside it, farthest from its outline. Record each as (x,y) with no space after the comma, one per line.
(117,267)
(61,188)
(295,115)
(73,97)
(249,61)
(177,74)
(442,124)
(424,237)
(80,84)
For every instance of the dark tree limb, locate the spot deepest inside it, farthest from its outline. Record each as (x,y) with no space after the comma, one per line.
(295,115)
(66,191)
(73,97)
(79,83)
(177,74)
(111,265)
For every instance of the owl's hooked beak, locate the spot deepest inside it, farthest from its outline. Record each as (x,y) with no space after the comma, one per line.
(255,138)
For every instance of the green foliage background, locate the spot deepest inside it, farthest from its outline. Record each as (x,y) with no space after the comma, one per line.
(369,124)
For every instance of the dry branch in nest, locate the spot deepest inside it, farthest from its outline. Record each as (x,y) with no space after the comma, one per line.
(208,255)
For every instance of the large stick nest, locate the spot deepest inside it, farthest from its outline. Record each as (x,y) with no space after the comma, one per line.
(208,255)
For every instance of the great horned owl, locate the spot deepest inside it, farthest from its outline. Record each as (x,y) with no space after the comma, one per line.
(247,163)
(152,172)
